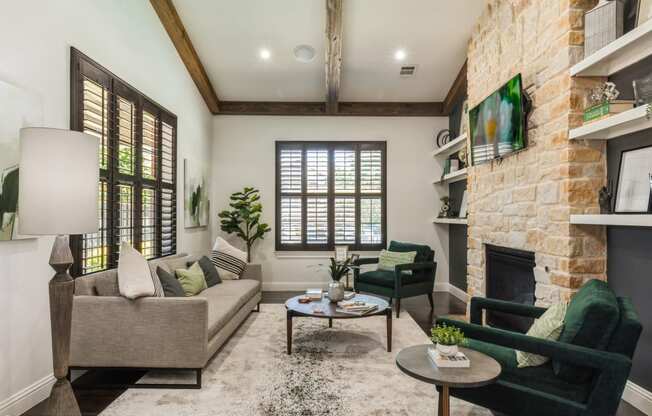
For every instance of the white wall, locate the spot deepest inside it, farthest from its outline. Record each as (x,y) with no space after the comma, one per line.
(35,38)
(244,155)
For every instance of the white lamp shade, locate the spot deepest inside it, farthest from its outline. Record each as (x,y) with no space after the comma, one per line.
(58,182)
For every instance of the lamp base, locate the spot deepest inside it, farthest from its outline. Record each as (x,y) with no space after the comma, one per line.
(62,400)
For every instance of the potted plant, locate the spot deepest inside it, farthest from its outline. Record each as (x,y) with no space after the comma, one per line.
(243,218)
(337,270)
(447,338)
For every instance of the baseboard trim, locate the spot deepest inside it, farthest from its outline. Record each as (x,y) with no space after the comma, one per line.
(25,399)
(638,397)
(453,290)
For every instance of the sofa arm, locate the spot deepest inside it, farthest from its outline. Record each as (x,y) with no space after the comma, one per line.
(112,331)
(253,272)
(612,369)
(479,304)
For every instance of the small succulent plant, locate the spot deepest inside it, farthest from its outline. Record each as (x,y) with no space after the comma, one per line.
(447,335)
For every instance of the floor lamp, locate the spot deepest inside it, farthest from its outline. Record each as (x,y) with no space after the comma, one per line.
(58,191)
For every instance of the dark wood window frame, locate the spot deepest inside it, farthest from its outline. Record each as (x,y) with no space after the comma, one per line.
(331,147)
(83,68)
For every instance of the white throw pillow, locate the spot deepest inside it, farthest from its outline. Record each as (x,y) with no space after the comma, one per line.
(230,261)
(548,327)
(134,277)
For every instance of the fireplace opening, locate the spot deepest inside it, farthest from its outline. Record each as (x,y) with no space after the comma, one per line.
(510,277)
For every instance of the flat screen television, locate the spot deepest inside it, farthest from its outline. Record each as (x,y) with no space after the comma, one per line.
(498,124)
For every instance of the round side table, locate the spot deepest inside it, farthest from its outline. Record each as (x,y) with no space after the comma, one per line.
(414,362)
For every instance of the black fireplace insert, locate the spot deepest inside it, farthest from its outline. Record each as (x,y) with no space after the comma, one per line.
(510,277)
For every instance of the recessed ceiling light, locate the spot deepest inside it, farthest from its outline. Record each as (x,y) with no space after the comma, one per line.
(265,54)
(304,53)
(400,55)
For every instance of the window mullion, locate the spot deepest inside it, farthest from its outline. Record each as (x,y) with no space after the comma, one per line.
(357,196)
(304,198)
(137,231)
(331,196)
(112,167)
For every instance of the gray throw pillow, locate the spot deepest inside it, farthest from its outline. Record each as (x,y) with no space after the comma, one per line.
(210,271)
(171,286)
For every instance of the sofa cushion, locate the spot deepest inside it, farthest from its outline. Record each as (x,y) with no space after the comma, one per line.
(161,262)
(134,277)
(171,286)
(388,260)
(229,260)
(210,271)
(192,279)
(540,378)
(106,283)
(386,279)
(424,253)
(245,288)
(548,327)
(225,300)
(592,315)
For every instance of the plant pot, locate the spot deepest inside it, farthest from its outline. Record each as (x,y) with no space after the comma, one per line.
(447,350)
(336,291)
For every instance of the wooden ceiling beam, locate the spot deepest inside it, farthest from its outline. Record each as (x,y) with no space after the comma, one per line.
(362,109)
(333,54)
(458,88)
(172,23)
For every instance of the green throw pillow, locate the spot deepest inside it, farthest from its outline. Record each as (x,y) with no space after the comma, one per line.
(388,260)
(192,280)
(549,327)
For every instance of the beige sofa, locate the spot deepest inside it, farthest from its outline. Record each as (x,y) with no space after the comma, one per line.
(110,331)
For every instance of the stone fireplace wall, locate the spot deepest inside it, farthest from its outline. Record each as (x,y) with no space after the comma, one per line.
(525,201)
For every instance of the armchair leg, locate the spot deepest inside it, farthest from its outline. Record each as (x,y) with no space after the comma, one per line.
(398,307)
(432,303)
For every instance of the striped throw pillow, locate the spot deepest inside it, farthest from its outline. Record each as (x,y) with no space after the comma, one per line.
(230,261)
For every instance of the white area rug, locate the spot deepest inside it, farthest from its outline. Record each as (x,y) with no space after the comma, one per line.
(343,371)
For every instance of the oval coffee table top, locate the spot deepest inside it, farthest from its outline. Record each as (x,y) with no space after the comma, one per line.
(414,362)
(329,309)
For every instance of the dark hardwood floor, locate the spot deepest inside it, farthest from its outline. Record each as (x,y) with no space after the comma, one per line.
(93,399)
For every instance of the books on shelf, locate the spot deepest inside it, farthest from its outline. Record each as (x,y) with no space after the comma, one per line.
(458,360)
(606,109)
(315,294)
(358,308)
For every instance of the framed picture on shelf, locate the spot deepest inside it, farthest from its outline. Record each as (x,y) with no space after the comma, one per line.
(644,12)
(634,191)
(463,206)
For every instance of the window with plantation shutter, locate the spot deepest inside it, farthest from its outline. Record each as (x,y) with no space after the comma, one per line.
(330,193)
(137,189)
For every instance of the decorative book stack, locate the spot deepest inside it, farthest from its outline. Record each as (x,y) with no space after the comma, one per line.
(314,294)
(607,109)
(354,307)
(459,360)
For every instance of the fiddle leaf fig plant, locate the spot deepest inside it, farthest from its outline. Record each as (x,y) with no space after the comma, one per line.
(243,219)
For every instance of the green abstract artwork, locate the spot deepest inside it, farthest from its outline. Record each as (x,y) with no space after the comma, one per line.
(196,204)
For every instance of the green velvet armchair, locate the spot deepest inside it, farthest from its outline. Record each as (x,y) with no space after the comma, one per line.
(405,281)
(589,365)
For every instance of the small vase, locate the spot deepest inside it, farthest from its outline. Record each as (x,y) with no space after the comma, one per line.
(335,291)
(447,350)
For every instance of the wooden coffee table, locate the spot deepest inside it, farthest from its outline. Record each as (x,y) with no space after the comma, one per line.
(414,362)
(296,309)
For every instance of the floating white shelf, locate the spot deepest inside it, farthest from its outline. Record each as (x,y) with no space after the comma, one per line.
(618,125)
(451,147)
(460,221)
(456,176)
(619,54)
(626,220)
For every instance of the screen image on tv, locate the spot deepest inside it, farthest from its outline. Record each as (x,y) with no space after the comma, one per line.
(497,124)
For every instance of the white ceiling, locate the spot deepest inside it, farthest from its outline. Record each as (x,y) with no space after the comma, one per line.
(228,35)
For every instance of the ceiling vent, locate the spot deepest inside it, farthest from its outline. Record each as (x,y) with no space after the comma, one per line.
(408,71)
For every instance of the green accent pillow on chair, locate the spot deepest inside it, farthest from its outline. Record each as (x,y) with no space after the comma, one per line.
(424,253)
(192,280)
(388,260)
(591,318)
(548,327)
